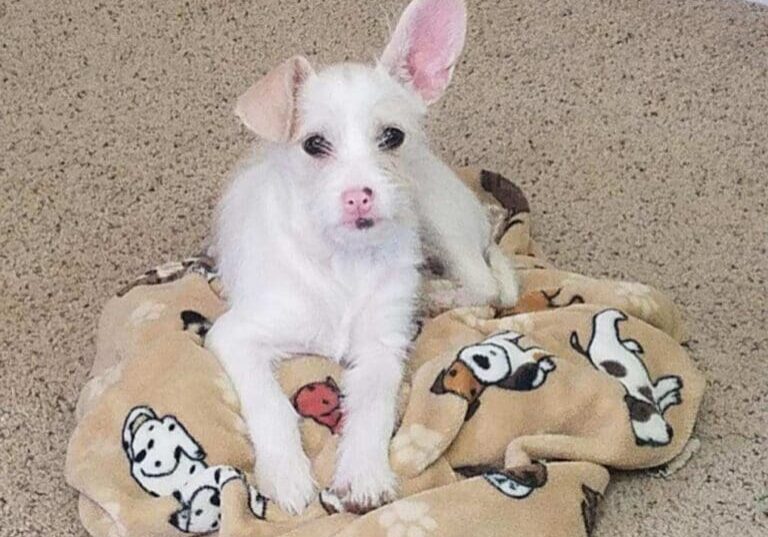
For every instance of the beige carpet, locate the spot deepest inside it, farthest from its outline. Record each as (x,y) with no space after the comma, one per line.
(638,128)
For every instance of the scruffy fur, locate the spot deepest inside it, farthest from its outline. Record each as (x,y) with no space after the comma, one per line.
(300,279)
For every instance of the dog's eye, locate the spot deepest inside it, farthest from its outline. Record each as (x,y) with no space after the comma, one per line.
(391,138)
(316,146)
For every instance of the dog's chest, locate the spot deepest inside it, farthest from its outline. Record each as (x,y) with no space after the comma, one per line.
(339,300)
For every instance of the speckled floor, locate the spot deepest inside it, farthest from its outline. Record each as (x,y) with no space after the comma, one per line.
(639,129)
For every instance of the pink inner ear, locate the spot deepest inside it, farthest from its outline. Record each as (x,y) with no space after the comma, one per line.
(436,36)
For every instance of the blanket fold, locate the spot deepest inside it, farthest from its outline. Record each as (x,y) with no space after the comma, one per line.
(507,420)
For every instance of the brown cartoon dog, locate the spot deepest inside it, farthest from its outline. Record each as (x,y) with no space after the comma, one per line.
(498,361)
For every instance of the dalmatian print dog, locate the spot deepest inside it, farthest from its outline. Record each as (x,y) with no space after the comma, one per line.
(166,461)
(162,454)
(499,361)
(201,500)
(646,400)
(520,482)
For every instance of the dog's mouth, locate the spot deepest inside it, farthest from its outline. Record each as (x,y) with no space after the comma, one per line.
(364,223)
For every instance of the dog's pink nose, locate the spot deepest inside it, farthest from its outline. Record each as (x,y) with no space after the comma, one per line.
(357,201)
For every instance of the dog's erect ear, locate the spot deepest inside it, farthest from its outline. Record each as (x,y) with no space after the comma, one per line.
(269,107)
(425,46)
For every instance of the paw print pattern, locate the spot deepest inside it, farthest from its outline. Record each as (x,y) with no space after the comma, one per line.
(416,445)
(522,322)
(146,311)
(639,296)
(407,519)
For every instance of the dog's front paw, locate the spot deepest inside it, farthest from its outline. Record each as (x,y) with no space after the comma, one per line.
(286,480)
(366,489)
(506,277)
(481,291)
(509,287)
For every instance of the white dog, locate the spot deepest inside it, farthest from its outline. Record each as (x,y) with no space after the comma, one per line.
(319,239)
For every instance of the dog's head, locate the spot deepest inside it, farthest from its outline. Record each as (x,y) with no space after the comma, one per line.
(155,446)
(347,135)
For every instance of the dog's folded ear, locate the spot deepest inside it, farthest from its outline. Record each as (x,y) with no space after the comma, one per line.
(425,46)
(269,107)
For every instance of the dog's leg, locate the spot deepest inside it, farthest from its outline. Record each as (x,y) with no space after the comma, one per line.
(457,224)
(504,272)
(461,245)
(282,468)
(364,479)
(478,287)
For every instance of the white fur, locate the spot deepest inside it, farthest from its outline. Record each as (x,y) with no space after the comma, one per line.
(300,282)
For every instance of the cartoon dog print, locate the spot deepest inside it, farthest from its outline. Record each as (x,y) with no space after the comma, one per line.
(518,482)
(166,461)
(196,323)
(498,361)
(320,401)
(646,400)
(509,195)
(174,270)
(201,500)
(542,299)
(589,508)
(162,453)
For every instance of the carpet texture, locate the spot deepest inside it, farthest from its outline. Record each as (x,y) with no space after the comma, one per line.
(644,122)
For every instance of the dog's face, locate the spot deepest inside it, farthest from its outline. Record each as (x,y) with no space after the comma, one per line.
(347,135)
(158,445)
(359,130)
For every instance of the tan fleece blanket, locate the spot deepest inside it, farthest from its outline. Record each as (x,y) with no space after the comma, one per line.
(507,423)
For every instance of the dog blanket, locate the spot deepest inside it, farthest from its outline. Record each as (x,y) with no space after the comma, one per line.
(507,421)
